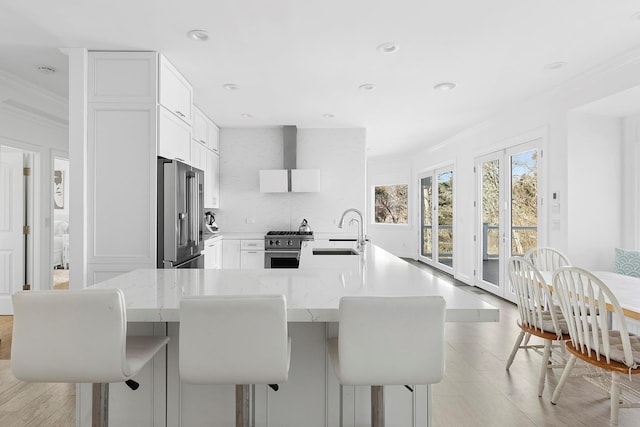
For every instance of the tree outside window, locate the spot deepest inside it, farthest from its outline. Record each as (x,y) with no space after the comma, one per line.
(391,203)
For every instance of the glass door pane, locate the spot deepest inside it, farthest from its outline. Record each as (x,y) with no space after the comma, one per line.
(426,198)
(445,218)
(524,201)
(490,213)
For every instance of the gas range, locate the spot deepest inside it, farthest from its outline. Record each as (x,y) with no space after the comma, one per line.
(286,240)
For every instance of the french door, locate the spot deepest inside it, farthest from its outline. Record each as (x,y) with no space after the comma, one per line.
(507,212)
(436,218)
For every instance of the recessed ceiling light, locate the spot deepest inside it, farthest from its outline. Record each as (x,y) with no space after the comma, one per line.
(231,86)
(367,87)
(328,116)
(386,48)
(445,86)
(246,116)
(555,65)
(198,35)
(46,69)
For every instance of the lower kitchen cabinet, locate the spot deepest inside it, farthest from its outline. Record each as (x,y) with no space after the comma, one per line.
(230,253)
(252,254)
(213,253)
(246,254)
(252,259)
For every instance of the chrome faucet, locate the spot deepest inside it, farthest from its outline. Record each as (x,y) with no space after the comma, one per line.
(361,240)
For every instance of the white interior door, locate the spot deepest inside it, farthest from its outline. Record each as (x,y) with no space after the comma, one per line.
(11,223)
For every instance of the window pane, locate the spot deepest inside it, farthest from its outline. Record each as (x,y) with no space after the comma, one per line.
(490,221)
(445,218)
(524,201)
(391,204)
(427,220)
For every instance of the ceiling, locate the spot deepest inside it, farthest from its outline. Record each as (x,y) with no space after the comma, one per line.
(297,61)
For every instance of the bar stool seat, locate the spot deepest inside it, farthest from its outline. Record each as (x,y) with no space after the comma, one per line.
(78,336)
(389,341)
(234,339)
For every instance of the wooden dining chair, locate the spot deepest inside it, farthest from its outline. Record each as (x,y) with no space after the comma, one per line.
(582,296)
(536,317)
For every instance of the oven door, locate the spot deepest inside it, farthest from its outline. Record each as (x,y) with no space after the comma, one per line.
(281,259)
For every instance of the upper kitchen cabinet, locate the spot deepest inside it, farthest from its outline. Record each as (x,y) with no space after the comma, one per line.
(212,179)
(123,77)
(205,131)
(200,131)
(214,136)
(176,93)
(174,137)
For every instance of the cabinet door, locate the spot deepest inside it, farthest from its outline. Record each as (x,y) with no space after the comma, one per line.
(122,77)
(200,127)
(213,255)
(231,253)
(122,138)
(252,260)
(212,179)
(176,94)
(213,135)
(199,158)
(174,137)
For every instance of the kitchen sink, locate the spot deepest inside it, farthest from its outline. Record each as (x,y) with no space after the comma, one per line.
(335,251)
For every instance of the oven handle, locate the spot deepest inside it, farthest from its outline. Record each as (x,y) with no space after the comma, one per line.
(290,253)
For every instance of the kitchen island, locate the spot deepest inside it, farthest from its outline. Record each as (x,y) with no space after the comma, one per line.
(312,396)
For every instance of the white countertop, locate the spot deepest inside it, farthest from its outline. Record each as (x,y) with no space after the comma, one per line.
(313,291)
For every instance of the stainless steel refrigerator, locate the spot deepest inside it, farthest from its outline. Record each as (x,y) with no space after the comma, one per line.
(180,215)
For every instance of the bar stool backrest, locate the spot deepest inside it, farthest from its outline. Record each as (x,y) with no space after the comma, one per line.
(239,339)
(72,336)
(391,340)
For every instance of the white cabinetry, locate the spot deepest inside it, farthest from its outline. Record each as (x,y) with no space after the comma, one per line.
(213,253)
(174,137)
(230,253)
(121,163)
(205,131)
(213,133)
(252,254)
(212,179)
(176,94)
(243,253)
(204,155)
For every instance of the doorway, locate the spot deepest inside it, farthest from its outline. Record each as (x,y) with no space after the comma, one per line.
(60,228)
(507,212)
(437,218)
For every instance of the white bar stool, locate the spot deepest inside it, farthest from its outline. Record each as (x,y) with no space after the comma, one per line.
(237,340)
(78,336)
(388,341)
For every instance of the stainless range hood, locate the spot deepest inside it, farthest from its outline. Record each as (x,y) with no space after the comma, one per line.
(290,178)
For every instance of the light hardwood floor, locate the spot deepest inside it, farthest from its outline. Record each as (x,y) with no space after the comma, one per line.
(476,392)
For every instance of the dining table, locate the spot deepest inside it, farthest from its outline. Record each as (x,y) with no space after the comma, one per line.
(625,288)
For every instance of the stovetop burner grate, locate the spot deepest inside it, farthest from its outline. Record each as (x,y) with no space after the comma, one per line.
(290,233)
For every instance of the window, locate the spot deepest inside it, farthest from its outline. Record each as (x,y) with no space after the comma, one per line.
(391,204)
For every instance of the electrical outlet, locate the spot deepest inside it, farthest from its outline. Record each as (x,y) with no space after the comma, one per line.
(250,220)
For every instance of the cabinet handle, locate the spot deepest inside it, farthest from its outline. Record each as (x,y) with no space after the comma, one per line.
(178,112)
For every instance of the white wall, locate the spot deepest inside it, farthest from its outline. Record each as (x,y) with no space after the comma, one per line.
(338,153)
(546,116)
(594,193)
(399,239)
